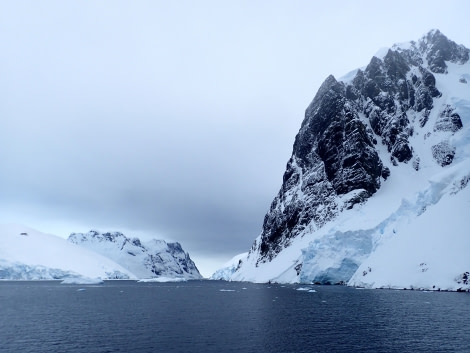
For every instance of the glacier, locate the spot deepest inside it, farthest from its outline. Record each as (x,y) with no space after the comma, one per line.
(376,192)
(85,258)
(229,268)
(27,254)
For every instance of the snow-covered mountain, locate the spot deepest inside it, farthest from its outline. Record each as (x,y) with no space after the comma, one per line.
(375,193)
(27,254)
(151,259)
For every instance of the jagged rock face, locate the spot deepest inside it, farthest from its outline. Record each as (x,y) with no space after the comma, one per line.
(333,155)
(335,163)
(439,50)
(155,258)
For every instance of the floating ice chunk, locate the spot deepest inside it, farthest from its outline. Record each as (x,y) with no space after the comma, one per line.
(226,290)
(82,280)
(162,279)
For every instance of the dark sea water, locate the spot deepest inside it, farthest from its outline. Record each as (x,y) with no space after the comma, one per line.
(213,316)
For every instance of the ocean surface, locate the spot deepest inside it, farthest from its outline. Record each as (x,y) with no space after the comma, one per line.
(215,316)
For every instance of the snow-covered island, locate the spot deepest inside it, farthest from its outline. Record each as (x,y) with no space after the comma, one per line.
(376,192)
(27,254)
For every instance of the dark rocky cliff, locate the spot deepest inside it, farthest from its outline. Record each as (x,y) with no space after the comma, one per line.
(335,161)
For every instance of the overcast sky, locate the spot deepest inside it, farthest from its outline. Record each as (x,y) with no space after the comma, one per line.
(174,119)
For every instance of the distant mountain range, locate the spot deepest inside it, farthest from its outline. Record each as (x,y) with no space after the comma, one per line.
(375,193)
(27,254)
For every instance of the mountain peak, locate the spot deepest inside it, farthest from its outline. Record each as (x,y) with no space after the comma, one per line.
(438,49)
(396,130)
(434,35)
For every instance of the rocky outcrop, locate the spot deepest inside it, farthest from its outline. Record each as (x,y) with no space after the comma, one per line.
(439,49)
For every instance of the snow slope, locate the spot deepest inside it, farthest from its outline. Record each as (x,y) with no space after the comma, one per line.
(28,254)
(430,249)
(430,252)
(229,267)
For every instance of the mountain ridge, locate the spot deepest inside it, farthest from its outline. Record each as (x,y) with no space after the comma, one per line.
(400,117)
(154,258)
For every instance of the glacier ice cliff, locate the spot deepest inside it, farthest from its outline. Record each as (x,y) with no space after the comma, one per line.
(27,254)
(229,268)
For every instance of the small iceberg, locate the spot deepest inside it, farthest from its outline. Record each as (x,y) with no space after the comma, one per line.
(162,279)
(82,280)
(307,289)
